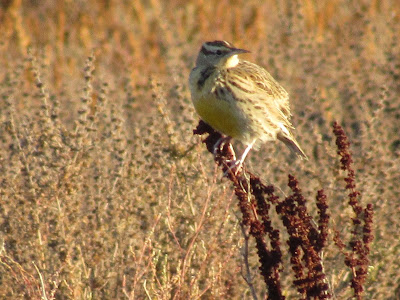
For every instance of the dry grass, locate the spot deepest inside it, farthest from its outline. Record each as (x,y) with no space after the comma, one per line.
(105,192)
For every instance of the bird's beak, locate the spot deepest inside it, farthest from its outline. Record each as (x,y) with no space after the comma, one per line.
(239,51)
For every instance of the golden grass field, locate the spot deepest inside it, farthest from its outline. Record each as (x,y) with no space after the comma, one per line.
(105,193)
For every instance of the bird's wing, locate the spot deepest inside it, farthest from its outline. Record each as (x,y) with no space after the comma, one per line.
(274,97)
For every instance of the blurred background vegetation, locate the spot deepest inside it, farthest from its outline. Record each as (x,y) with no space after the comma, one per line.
(106,194)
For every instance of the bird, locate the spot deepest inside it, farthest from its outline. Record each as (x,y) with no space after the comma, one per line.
(240,99)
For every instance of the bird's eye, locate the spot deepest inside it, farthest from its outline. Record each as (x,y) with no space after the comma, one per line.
(219,52)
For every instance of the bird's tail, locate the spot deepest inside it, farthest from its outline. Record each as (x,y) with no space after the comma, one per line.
(292,144)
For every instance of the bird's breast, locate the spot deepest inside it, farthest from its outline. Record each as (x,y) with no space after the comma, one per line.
(221,112)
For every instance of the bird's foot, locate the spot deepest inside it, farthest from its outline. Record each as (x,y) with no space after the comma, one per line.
(221,143)
(233,167)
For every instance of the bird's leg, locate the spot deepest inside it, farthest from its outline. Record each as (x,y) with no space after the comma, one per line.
(232,151)
(246,151)
(237,164)
(217,145)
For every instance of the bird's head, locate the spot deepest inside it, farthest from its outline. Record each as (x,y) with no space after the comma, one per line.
(219,53)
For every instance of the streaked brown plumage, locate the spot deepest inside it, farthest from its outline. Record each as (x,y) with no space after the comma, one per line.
(240,99)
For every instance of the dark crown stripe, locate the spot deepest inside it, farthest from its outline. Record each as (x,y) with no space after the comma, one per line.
(206,51)
(220,44)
